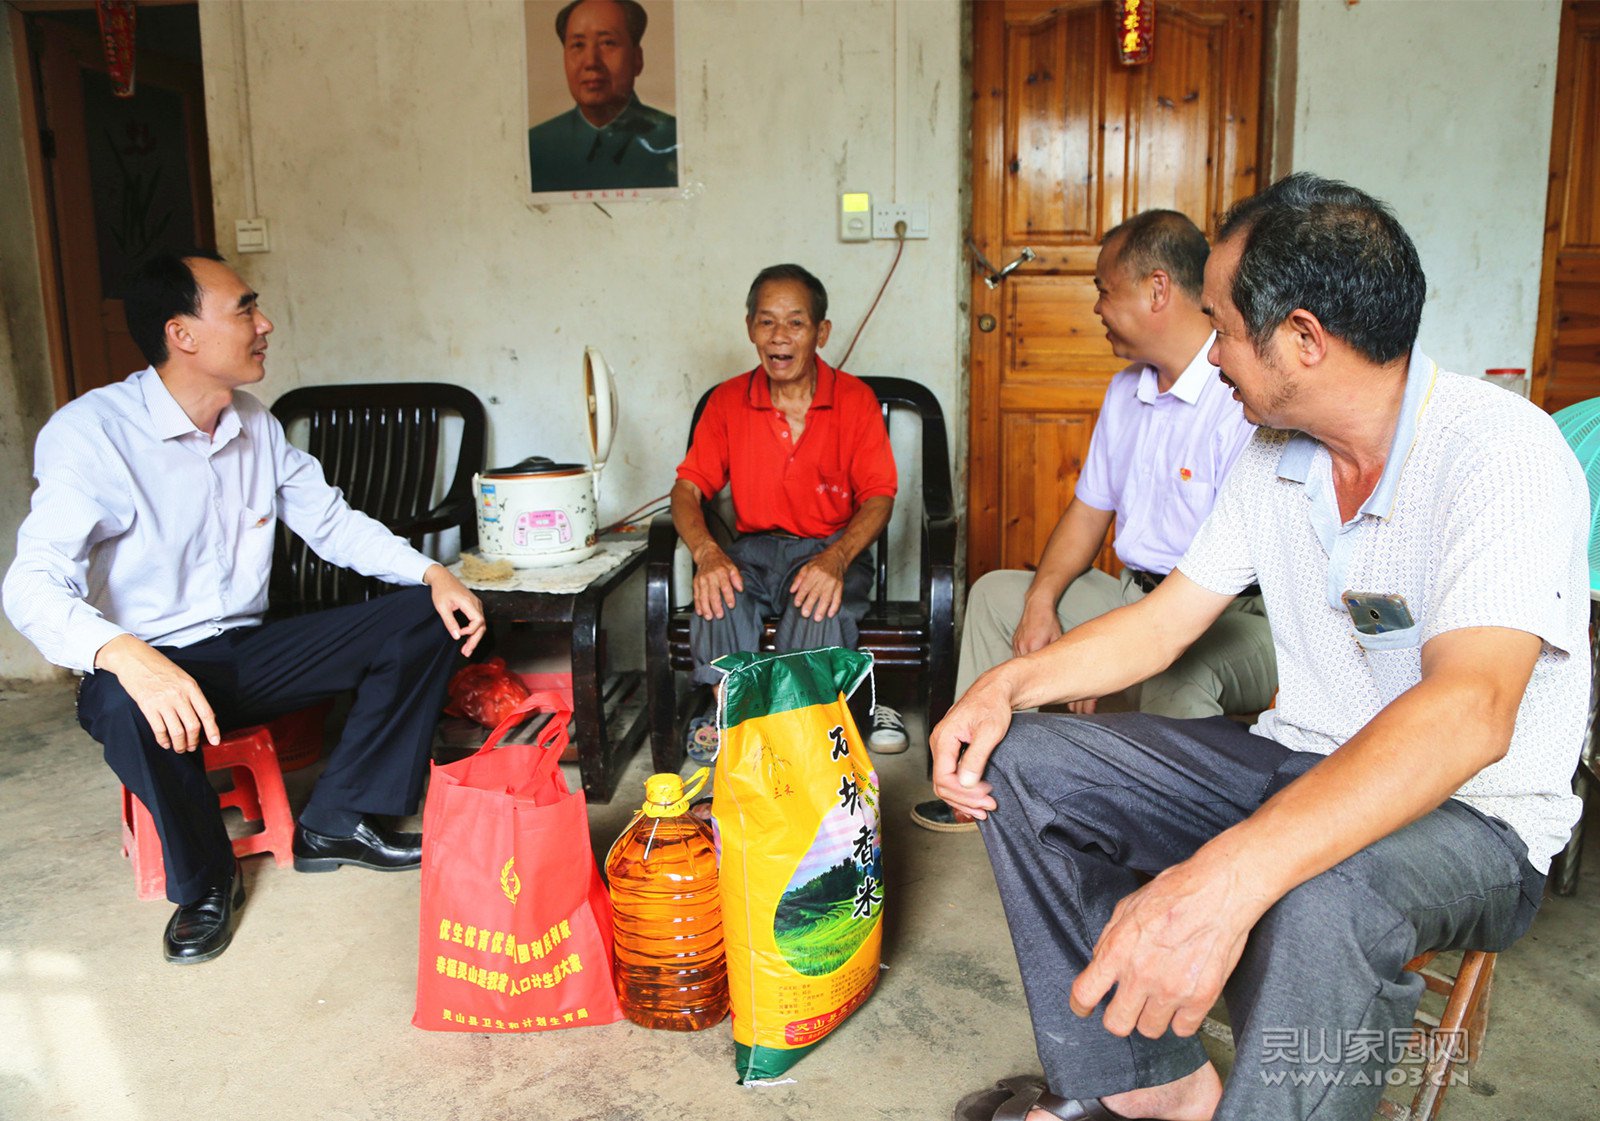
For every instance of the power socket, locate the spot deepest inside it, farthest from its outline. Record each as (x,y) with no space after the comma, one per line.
(913,214)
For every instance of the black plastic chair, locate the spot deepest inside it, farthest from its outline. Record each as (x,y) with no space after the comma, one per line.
(380,444)
(914,634)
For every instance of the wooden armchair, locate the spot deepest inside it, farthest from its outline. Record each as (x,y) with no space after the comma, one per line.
(380,444)
(909,634)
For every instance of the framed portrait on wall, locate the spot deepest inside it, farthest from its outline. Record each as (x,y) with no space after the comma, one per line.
(602,99)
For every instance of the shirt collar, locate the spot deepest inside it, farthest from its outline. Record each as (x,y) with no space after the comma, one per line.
(621,117)
(760,393)
(1190,383)
(167,418)
(1294,464)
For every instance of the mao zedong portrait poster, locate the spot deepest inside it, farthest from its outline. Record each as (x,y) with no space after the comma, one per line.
(601,99)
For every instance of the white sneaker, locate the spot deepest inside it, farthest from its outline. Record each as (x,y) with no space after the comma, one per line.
(888,732)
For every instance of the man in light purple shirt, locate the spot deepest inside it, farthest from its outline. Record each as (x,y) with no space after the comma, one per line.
(144,564)
(1168,433)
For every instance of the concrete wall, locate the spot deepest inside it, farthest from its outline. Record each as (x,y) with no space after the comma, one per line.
(390,161)
(26,394)
(1443,109)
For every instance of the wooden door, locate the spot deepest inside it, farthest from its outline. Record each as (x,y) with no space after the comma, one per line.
(1067,143)
(1566,360)
(128,178)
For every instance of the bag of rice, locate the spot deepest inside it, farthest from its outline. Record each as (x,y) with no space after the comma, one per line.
(796,810)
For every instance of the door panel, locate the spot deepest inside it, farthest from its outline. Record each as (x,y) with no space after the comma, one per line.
(1067,143)
(129,178)
(1041,443)
(1054,329)
(1566,366)
(1053,84)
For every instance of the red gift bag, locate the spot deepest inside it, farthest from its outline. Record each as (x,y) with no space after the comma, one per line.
(516,922)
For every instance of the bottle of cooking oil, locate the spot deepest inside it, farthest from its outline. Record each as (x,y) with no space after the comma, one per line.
(670,969)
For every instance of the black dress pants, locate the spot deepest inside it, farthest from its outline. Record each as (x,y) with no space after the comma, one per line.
(393,651)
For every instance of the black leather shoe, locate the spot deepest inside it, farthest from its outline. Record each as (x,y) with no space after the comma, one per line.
(370,846)
(201,930)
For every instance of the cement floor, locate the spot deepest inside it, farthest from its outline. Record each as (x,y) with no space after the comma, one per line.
(307,1016)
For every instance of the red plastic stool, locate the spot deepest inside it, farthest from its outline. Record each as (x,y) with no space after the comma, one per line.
(257,793)
(297,736)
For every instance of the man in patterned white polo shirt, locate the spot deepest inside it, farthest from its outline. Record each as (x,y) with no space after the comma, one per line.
(1420,541)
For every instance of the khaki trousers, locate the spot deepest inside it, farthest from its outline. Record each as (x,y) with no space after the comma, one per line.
(1229,669)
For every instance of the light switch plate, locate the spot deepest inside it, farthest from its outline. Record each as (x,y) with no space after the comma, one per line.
(250,235)
(855,216)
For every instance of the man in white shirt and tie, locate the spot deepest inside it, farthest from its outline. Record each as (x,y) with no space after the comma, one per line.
(144,565)
(1167,434)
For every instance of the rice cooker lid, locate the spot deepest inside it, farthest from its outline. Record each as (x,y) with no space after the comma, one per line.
(600,400)
(535,467)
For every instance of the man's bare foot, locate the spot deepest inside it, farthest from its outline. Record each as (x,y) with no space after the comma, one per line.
(1193,1097)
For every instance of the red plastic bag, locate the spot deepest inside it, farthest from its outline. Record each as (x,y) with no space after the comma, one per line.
(485,692)
(516,922)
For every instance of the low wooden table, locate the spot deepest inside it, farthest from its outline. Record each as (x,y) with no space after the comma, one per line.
(605,738)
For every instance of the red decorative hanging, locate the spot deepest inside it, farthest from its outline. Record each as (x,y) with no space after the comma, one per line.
(1136,31)
(116,36)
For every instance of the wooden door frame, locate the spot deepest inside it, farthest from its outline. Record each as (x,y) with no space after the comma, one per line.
(40,196)
(1555,198)
(1280,25)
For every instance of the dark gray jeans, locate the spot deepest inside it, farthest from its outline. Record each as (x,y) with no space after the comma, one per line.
(768,563)
(1090,806)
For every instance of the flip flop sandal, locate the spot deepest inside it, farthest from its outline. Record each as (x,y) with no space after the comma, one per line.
(1010,1099)
(703,741)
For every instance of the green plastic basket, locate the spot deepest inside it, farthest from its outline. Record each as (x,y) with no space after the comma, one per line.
(1580,424)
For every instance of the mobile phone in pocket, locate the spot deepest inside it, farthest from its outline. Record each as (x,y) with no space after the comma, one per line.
(1377,614)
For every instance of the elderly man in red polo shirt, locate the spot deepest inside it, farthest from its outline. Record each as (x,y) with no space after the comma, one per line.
(804,448)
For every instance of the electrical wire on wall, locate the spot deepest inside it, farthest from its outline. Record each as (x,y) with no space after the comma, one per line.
(900,247)
(650,509)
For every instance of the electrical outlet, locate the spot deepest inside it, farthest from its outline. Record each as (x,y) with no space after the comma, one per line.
(913,214)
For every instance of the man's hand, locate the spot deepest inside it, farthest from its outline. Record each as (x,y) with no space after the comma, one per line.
(450,596)
(716,579)
(818,587)
(1038,628)
(1169,948)
(963,741)
(170,699)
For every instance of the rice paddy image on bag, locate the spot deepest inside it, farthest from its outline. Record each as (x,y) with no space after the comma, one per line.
(796,814)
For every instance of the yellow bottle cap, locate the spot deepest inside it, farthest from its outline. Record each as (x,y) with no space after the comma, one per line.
(667,795)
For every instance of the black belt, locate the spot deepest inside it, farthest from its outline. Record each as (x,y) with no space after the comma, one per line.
(1148,581)
(1145,580)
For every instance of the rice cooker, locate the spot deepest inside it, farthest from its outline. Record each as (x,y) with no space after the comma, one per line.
(540,514)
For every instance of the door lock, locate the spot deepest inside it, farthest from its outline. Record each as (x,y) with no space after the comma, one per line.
(993,276)
(986,323)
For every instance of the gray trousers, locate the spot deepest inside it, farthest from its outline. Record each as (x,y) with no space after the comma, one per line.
(768,563)
(1088,807)
(1230,668)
